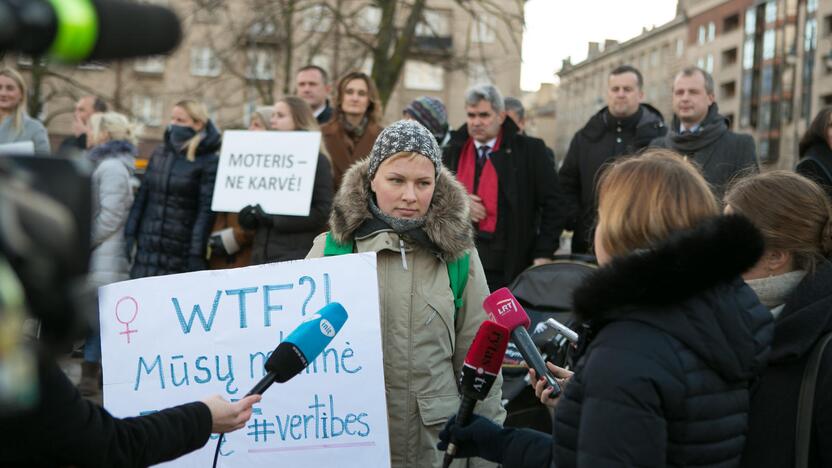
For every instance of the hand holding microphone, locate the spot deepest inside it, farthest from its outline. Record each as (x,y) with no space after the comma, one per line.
(503,308)
(542,391)
(480,370)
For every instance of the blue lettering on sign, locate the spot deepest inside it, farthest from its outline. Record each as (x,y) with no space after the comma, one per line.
(241,293)
(197,312)
(267,305)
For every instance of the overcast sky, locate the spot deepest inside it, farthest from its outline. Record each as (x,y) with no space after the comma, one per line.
(556,29)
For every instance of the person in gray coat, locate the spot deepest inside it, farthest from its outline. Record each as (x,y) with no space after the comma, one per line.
(699,132)
(15,125)
(112,141)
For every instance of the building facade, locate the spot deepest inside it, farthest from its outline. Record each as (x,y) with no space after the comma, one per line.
(239,54)
(771,61)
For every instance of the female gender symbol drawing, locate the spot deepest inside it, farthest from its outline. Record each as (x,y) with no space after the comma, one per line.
(127,331)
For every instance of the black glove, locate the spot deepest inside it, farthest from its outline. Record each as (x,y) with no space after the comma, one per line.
(196,263)
(480,438)
(216,247)
(251,217)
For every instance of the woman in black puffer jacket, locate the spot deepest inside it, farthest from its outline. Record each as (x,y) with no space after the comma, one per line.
(671,334)
(171,217)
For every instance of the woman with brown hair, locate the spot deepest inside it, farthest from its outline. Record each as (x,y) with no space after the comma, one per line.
(279,238)
(171,218)
(354,127)
(15,125)
(794,280)
(670,339)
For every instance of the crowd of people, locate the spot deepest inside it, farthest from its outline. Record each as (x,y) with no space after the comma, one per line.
(698,331)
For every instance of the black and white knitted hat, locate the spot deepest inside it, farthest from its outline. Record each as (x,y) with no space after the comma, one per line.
(402,137)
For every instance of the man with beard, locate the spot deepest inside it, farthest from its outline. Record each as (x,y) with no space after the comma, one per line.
(700,133)
(623,127)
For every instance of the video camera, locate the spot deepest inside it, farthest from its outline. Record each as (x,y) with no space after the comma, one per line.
(45,202)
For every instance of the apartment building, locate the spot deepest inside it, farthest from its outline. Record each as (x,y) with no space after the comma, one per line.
(771,61)
(238,54)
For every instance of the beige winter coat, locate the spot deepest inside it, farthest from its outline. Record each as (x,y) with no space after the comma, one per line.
(424,345)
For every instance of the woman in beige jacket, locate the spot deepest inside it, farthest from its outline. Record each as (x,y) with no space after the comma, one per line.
(404,205)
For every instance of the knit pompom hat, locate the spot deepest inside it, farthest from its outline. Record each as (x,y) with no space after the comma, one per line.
(431,113)
(404,136)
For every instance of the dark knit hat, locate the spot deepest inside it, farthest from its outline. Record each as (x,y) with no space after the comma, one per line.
(404,136)
(431,113)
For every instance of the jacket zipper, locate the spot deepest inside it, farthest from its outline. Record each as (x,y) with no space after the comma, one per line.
(404,256)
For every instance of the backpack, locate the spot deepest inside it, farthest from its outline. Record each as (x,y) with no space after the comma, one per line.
(457,269)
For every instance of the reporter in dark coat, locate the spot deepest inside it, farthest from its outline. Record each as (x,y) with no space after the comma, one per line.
(279,238)
(794,280)
(671,334)
(171,217)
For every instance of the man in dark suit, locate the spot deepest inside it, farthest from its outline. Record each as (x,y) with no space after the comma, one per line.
(312,85)
(699,132)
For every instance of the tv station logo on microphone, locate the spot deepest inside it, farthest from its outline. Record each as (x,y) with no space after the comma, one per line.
(506,306)
(327,329)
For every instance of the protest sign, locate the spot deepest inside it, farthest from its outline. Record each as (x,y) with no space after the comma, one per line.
(274,169)
(174,339)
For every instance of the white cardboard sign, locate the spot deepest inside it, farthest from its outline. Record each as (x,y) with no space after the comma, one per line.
(174,339)
(274,169)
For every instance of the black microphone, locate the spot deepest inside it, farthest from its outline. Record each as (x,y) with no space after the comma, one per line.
(302,346)
(78,30)
(504,309)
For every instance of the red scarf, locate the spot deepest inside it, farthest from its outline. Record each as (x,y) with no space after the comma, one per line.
(488,187)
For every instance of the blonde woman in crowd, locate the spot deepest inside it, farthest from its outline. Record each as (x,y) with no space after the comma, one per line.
(15,125)
(279,238)
(171,219)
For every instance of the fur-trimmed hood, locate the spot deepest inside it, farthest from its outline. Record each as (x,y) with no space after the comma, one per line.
(447,224)
(690,287)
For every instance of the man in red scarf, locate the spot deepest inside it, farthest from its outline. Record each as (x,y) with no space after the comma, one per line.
(512,185)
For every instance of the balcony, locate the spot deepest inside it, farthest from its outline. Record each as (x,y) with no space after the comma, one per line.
(432,45)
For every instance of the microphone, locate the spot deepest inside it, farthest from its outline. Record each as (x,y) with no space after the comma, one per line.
(567,332)
(482,364)
(77,30)
(302,346)
(504,309)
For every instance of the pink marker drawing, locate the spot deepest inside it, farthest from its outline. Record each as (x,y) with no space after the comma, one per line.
(127,331)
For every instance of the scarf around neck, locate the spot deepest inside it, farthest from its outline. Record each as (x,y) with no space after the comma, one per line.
(354,131)
(710,130)
(773,291)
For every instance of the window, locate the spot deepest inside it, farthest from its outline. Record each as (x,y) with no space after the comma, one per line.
(748,54)
(434,23)
(147,110)
(424,76)
(207,11)
(369,19)
(701,37)
(92,65)
(367,65)
(810,35)
(248,110)
(680,47)
(478,74)
(728,90)
(260,65)
(811,6)
(317,19)
(771,11)
(731,23)
(204,62)
(750,20)
(711,31)
(262,28)
(709,63)
(768,44)
(766,80)
(729,57)
(654,57)
(320,60)
(827,21)
(484,29)
(152,64)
